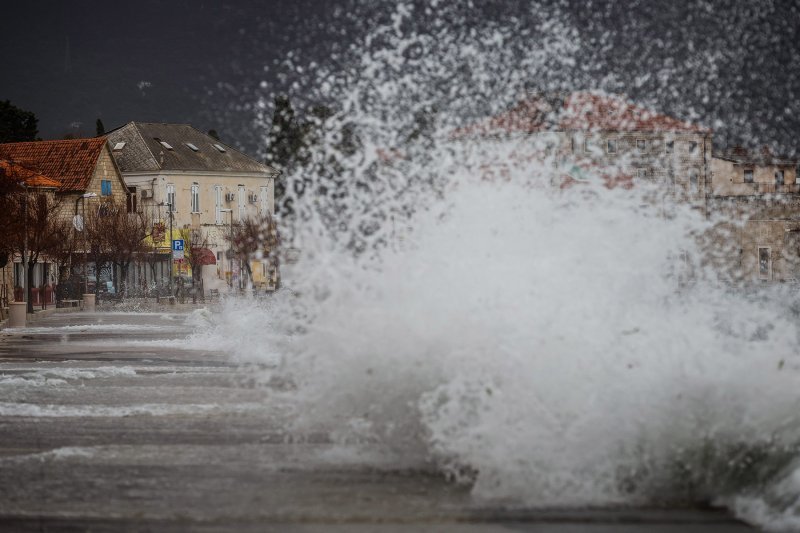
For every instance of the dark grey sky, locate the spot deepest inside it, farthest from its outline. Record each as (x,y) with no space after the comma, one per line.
(73,62)
(201,62)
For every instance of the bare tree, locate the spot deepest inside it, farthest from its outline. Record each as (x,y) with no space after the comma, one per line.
(127,233)
(256,238)
(97,242)
(37,232)
(196,255)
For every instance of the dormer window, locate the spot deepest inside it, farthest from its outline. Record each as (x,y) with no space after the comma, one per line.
(119,146)
(165,144)
(219,147)
(192,147)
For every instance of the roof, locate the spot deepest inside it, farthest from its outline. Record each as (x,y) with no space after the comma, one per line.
(143,150)
(579,111)
(19,174)
(763,157)
(72,162)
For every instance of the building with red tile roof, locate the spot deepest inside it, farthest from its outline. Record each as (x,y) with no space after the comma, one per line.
(78,165)
(69,169)
(609,133)
(581,111)
(20,175)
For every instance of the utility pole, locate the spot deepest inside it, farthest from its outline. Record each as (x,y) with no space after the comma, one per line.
(85,251)
(171,253)
(229,252)
(29,307)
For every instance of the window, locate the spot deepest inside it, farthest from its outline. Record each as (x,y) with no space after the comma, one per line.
(692,147)
(195,198)
(218,204)
(694,176)
(779,177)
(641,145)
(171,196)
(219,147)
(264,200)
(119,146)
(669,147)
(611,146)
(165,144)
(192,147)
(130,201)
(641,173)
(656,145)
(748,175)
(586,146)
(242,204)
(105,187)
(764,262)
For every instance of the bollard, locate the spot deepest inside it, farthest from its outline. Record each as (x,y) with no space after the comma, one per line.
(17,314)
(88,302)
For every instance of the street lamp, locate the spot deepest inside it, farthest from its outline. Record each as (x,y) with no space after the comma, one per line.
(171,252)
(229,252)
(85,252)
(29,307)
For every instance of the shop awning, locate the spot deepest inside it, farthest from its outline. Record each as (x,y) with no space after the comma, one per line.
(204,256)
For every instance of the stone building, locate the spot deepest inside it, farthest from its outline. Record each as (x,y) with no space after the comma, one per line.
(16,179)
(86,172)
(755,202)
(611,135)
(175,171)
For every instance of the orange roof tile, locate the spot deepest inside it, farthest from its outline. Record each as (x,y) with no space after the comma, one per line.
(586,111)
(19,174)
(71,162)
(578,111)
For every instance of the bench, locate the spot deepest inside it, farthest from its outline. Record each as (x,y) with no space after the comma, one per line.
(70,303)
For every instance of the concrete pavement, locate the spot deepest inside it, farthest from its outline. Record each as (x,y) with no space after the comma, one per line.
(108,421)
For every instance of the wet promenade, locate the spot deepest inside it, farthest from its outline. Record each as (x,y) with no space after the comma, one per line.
(110,421)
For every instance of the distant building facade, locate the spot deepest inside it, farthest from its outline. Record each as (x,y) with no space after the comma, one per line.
(175,171)
(87,176)
(756,197)
(609,134)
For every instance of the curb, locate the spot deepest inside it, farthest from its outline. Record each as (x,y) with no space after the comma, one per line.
(42,313)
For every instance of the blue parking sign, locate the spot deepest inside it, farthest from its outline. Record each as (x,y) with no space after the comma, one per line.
(177,245)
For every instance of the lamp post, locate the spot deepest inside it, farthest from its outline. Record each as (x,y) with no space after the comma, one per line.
(85,251)
(29,306)
(169,210)
(229,252)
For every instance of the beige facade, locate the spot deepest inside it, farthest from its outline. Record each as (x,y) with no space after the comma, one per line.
(679,161)
(195,182)
(80,166)
(755,199)
(104,170)
(755,238)
(210,202)
(731,177)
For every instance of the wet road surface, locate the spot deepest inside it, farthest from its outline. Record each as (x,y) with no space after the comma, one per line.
(112,421)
